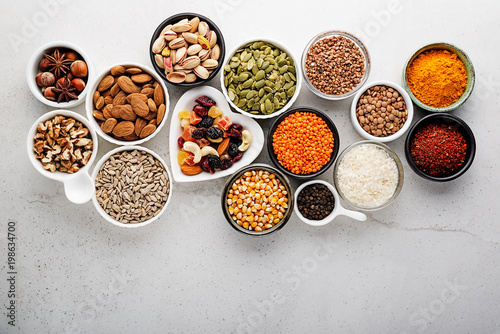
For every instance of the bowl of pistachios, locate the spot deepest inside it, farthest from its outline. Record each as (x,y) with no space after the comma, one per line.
(187,49)
(261,78)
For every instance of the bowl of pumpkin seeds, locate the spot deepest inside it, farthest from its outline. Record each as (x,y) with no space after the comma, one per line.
(261,78)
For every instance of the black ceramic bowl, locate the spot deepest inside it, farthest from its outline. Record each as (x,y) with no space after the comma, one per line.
(458,124)
(255,167)
(332,128)
(174,19)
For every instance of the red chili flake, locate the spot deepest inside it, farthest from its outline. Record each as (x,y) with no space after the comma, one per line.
(438,149)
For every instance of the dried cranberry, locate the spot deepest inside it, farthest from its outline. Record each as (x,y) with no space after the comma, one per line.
(199,133)
(226,164)
(180,142)
(205,101)
(238,157)
(206,166)
(234,131)
(200,110)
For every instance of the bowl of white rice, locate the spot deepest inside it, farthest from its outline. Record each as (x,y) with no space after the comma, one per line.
(368,175)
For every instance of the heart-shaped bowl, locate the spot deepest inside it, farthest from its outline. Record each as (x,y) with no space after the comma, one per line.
(187,102)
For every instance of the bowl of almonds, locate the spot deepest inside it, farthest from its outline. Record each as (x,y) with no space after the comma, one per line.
(187,50)
(127,104)
(381,111)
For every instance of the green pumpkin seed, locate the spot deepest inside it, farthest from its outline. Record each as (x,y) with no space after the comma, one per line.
(255,69)
(243,77)
(269,84)
(273,76)
(259,84)
(269,105)
(260,75)
(290,92)
(283,95)
(241,103)
(283,69)
(251,94)
(260,62)
(244,92)
(288,85)
(276,103)
(248,83)
(268,89)
(269,69)
(234,64)
(292,76)
(231,95)
(276,52)
(227,68)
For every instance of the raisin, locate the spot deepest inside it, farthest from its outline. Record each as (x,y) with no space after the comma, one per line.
(234,131)
(205,101)
(226,164)
(206,122)
(214,161)
(199,133)
(180,142)
(233,150)
(214,133)
(238,157)
(200,110)
(206,166)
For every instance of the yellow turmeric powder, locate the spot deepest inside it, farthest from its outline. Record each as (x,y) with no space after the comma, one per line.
(437,78)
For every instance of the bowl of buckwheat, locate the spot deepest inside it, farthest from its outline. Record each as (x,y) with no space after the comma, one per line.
(381,111)
(335,64)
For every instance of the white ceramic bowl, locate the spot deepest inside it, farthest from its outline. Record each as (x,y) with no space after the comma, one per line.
(78,187)
(298,75)
(338,209)
(186,102)
(89,105)
(33,69)
(98,167)
(409,108)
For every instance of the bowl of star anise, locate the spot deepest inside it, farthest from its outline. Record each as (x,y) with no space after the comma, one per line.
(58,74)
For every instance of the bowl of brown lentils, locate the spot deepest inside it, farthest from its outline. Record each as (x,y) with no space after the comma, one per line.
(381,111)
(335,64)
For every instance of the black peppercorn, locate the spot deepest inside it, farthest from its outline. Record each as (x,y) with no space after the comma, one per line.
(315,202)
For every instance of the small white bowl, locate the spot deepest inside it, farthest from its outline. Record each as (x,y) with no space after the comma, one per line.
(338,209)
(89,105)
(98,167)
(78,187)
(409,108)
(33,69)
(186,102)
(298,75)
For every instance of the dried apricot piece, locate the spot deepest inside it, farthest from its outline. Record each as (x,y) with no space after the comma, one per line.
(184,114)
(215,112)
(181,157)
(194,118)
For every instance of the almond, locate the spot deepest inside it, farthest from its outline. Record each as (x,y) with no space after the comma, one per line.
(109,125)
(159,98)
(143,97)
(153,121)
(96,96)
(133,136)
(115,111)
(118,70)
(100,102)
(127,113)
(105,83)
(120,98)
(114,90)
(160,113)
(221,149)
(148,91)
(141,78)
(108,99)
(127,85)
(123,128)
(140,123)
(152,105)
(139,107)
(147,130)
(98,115)
(191,170)
(134,70)
(151,115)
(106,111)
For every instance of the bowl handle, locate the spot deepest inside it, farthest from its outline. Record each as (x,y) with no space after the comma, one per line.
(79,188)
(353,214)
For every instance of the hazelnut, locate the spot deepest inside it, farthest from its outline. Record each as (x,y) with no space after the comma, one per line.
(71,55)
(38,79)
(44,65)
(49,94)
(78,83)
(47,79)
(79,69)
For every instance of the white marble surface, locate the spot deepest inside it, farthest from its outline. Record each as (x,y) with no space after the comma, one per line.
(190,272)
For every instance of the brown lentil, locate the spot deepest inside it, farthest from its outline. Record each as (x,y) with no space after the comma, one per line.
(381,111)
(257,200)
(335,65)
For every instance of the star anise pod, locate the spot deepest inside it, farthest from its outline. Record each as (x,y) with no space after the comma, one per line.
(58,63)
(65,90)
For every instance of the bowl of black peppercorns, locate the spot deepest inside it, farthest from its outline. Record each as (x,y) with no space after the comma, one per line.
(317,203)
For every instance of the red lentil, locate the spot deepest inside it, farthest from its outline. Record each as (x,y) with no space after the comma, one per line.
(438,149)
(303,143)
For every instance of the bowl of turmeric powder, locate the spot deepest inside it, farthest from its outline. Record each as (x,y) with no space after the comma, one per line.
(439,77)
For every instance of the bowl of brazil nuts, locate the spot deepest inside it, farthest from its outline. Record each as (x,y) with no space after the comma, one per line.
(381,111)
(128,104)
(133,186)
(261,78)
(335,65)
(257,200)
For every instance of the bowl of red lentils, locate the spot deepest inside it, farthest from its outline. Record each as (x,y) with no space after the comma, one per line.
(335,64)
(381,111)
(303,142)
(257,200)
(440,147)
